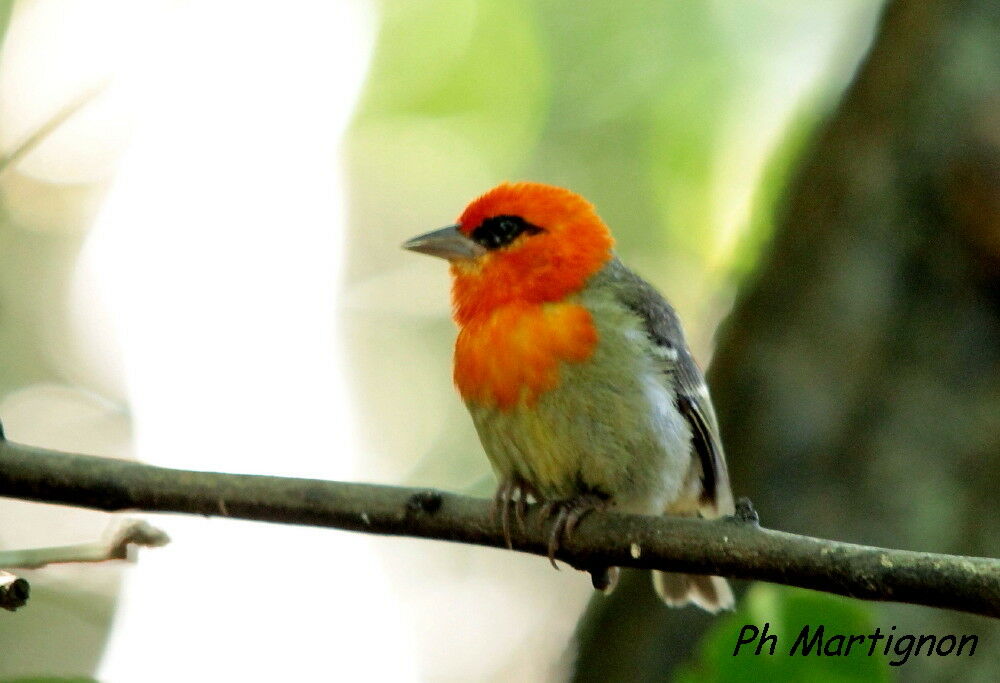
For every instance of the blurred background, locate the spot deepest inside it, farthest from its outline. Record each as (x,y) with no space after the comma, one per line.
(200,210)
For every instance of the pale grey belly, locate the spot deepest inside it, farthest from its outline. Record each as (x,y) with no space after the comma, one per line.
(611,427)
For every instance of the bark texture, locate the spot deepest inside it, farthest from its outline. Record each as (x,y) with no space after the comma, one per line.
(734,546)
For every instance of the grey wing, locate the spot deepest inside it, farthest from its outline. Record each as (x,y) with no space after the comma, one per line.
(693,400)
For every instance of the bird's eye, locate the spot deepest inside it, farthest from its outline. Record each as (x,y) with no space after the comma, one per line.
(499,231)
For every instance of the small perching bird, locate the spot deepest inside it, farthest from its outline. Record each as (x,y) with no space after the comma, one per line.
(577,375)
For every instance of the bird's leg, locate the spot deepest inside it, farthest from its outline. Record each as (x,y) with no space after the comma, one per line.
(579,508)
(558,524)
(501,506)
(510,499)
(568,514)
(545,511)
(520,510)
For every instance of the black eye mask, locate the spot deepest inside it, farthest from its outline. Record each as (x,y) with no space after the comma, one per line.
(499,231)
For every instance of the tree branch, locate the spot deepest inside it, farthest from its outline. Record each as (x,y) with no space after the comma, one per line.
(735,547)
(49,126)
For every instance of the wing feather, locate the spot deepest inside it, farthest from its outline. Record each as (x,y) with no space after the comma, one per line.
(693,400)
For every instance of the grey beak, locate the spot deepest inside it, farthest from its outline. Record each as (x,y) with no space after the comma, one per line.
(447,243)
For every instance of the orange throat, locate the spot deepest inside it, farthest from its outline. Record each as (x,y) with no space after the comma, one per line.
(512,356)
(516,305)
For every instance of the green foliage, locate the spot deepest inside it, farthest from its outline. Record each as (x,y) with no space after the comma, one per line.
(473,68)
(786,610)
(6,7)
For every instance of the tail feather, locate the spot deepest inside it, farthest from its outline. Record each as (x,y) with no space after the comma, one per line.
(711,593)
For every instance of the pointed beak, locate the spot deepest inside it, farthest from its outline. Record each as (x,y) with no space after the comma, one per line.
(447,243)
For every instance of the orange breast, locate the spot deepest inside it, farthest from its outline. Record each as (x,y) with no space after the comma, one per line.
(513,354)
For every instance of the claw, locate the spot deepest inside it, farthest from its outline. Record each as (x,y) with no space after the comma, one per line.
(544,512)
(525,490)
(568,515)
(505,520)
(511,498)
(497,498)
(558,524)
(521,505)
(576,513)
(501,507)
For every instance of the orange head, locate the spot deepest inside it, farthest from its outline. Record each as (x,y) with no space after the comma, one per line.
(524,243)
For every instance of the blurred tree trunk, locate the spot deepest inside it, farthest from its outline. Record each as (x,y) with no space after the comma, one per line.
(858,378)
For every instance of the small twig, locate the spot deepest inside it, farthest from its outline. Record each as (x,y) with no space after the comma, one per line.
(14,591)
(130,533)
(37,136)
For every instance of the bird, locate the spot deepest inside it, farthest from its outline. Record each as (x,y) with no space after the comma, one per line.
(577,375)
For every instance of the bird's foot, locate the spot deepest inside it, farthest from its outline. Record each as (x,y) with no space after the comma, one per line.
(511,500)
(566,514)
